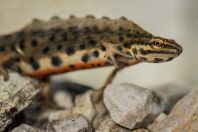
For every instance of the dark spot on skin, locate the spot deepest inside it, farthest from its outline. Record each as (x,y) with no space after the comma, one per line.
(123,18)
(55,18)
(64,35)
(103,48)
(135,51)
(12,47)
(127,44)
(59,47)
(95,53)
(143,58)
(85,58)
(72,66)
(52,38)
(45,50)
(156,60)
(129,35)
(90,17)
(106,29)
(17,59)
(72,16)
(35,65)
(2,48)
(21,34)
(121,38)
(169,59)
(70,51)
(21,44)
(105,18)
(120,29)
(87,30)
(34,43)
(92,42)
(82,46)
(56,61)
(95,29)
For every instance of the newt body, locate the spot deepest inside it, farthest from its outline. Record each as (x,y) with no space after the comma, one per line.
(44,48)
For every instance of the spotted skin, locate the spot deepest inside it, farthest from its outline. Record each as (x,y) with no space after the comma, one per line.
(43,48)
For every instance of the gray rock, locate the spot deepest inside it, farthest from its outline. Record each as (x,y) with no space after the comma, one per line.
(131,106)
(59,114)
(84,106)
(109,126)
(183,117)
(26,128)
(63,99)
(15,95)
(70,124)
(171,93)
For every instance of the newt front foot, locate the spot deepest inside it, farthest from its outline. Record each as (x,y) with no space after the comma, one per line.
(112,50)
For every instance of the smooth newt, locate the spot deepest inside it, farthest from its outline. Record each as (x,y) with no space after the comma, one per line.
(43,48)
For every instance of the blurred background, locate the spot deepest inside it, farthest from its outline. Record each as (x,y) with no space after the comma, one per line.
(175,19)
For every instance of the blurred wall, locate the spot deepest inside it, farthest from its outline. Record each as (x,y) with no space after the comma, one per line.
(176,19)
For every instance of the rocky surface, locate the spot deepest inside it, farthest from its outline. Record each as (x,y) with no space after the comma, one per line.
(183,117)
(15,95)
(26,128)
(131,106)
(70,124)
(84,106)
(124,108)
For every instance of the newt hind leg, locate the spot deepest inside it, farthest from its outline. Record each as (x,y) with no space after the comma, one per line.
(4,73)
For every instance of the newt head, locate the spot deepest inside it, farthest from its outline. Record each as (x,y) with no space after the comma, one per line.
(156,50)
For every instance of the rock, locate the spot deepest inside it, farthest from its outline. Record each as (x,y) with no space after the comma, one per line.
(63,99)
(141,130)
(171,93)
(70,124)
(59,115)
(26,128)
(84,106)
(109,126)
(183,117)
(15,95)
(160,117)
(131,106)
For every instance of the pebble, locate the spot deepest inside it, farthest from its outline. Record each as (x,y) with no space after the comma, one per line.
(84,106)
(183,117)
(59,115)
(63,99)
(109,126)
(71,124)
(131,106)
(26,128)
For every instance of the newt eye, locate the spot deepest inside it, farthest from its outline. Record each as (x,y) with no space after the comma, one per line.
(157,42)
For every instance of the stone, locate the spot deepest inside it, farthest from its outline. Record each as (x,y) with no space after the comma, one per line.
(131,106)
(84,106)
(63,99)
(171,93)
(59,115)
(183,117)
(109,126)
(15,95)
(26,128)
(71,124)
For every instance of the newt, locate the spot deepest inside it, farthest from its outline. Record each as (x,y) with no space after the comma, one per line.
(43,48)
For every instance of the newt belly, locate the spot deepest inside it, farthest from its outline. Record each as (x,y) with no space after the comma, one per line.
(43,48)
